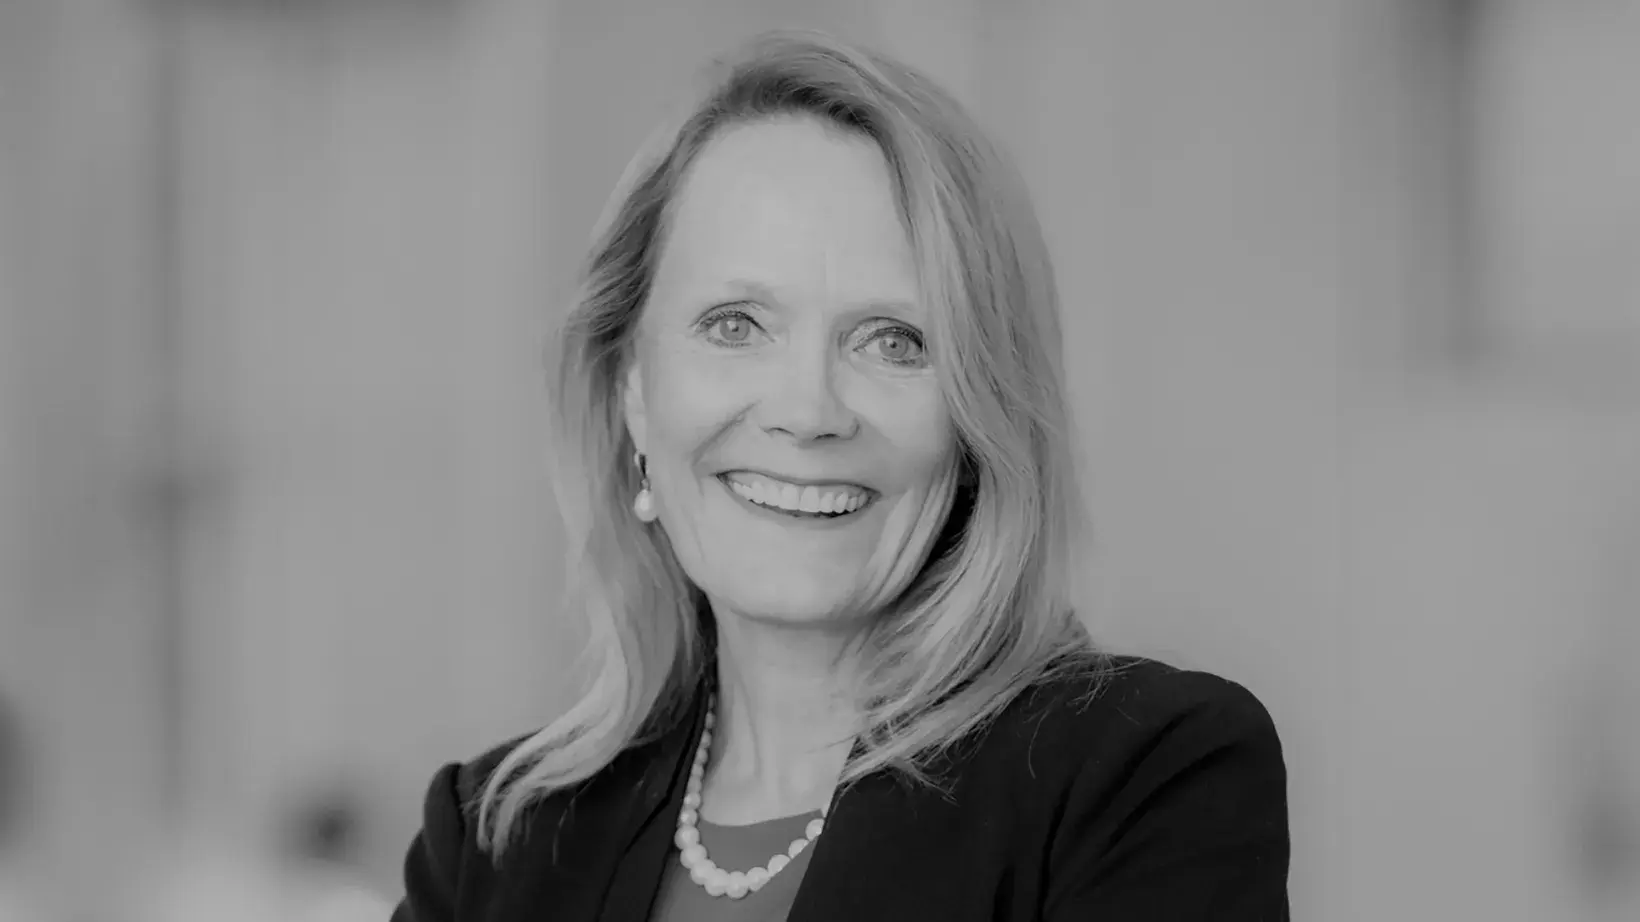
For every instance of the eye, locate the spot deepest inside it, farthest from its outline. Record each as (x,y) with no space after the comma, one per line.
(898,345)
(727,326)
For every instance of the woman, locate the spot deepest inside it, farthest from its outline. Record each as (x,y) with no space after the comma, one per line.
(816,454)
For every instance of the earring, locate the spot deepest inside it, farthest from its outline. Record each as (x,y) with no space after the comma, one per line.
(643,505)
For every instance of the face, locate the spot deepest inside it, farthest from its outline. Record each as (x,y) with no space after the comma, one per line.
(798,444)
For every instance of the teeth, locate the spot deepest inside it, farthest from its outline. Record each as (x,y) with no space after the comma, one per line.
(793,498)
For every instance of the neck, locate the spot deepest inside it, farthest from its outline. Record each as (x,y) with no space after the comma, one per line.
(786,719)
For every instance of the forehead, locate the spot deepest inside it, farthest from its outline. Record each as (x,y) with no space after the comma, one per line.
(795,203)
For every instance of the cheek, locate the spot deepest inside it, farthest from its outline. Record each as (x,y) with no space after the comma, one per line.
(687,402)
(912,418)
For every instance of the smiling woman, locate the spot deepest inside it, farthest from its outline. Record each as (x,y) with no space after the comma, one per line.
(814,445)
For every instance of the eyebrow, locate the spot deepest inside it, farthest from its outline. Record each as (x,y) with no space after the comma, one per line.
(754,290)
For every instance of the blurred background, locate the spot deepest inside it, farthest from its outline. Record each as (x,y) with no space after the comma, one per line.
(1353,298)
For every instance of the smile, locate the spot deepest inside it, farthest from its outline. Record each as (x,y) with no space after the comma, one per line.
(829,500)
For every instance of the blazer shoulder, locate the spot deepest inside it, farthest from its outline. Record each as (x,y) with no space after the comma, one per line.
(1124,706)
(1164,774)
(450,804)
(444,859)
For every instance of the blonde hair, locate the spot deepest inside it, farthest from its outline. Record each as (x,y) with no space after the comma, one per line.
(989,612)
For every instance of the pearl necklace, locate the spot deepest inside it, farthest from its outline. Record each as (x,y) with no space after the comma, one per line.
(717,881)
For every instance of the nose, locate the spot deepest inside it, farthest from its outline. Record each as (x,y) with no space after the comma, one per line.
(802,402)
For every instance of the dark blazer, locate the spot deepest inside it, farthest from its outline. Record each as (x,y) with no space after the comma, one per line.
(1162,795)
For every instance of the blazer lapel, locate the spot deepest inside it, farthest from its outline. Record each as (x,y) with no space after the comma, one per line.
(882,839)
(646,831)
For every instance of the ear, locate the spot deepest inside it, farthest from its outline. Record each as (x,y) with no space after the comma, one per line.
(632,398)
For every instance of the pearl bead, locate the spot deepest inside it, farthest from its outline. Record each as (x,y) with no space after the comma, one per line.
(737,885)
(693,855)
(776,863)
(756,878)
(686,836)
(692,800)
(688,817)
(694,784)
(814,827)
(797,847)
(717,884)
(701,873)
(711,719)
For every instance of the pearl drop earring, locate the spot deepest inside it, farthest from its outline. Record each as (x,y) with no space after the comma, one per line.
(643,505)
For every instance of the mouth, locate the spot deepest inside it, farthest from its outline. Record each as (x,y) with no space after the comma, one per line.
(818,501)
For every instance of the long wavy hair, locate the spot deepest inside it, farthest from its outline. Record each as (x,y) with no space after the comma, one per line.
(988,614)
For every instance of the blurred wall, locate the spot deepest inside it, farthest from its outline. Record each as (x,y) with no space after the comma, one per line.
(360,275)
(82,451)
(368,210)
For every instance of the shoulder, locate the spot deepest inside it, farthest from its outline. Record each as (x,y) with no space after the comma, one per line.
(1147,773)
(1131,700)
(450,804)
(1128,718)
(445,852)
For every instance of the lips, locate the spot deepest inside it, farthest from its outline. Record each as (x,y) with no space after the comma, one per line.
(829,499)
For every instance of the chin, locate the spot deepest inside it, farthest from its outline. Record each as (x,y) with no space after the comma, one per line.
(794,604)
